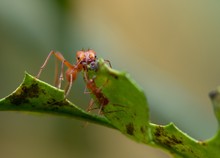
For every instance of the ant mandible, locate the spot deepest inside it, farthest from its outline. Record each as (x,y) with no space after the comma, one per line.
(83,59)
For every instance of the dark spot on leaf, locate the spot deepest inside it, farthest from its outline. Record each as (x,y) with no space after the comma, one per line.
(130,129)
(117,118)
(32,91)
(202,143)
(175,141)
(191,150)
(53,102)
(166,139)
(22,95)
(55,105)
(18,99)
(159,131)
(116,77)
(113,75)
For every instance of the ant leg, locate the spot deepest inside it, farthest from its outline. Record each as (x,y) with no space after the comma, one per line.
(59,56)
(91,103)
(89,108)
(86,78)
(69,86)
(100,88)
(61,76)
(56,80)
(100,110)
(107,61)
(71,75)
(87,82)
(92,80)
(44,64)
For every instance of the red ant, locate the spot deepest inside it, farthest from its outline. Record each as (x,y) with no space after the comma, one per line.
(83,58)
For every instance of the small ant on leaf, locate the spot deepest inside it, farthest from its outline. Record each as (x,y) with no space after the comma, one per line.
(83,59)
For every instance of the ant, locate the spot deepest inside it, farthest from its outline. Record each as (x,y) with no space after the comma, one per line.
(83,59)
(91,85)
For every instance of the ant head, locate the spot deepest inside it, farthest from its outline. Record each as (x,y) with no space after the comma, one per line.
(86,57)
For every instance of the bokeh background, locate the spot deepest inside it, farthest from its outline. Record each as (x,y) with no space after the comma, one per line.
(171,48)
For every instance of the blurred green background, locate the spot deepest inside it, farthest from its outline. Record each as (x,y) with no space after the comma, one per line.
(171,48)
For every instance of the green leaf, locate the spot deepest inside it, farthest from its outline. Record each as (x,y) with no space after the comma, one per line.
(34,95)
(125,108)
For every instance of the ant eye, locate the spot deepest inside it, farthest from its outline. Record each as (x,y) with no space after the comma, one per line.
(95,56)
(78,58)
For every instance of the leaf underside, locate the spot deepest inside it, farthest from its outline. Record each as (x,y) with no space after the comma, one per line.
(127,111)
